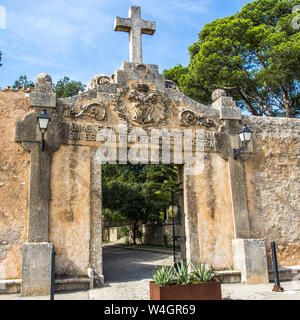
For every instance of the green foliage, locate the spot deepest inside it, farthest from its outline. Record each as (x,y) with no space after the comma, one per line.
(23,82)
(176,73)
(164,275)
(127,241)
(166,239)
(201,274)
(182,273)
(253,54)
(67,88)
(136,194)
(124,231)
(64,87)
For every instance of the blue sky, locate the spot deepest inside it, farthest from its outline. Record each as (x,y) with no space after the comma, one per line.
(76,38)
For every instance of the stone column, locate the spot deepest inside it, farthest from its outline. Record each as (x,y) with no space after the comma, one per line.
(37,253)
(191,219)
(181,204)
(249,255)
(96,262)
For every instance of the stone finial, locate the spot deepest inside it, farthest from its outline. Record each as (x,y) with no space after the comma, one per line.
(217,94)
(225,105)
(43,95)
(43,83)
(171,85)
(98,80)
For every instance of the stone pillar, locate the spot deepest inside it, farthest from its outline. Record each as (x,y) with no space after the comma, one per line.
(96,262)
(249,255)
(37,253)
(250,258)
(181,204)
(36,269)
(191,218)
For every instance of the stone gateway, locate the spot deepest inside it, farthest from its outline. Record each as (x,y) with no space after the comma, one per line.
(233,209)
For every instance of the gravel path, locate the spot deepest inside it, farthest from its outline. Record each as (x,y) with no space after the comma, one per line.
(127,273)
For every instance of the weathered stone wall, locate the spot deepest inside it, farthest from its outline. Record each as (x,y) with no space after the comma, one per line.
(273,186)
(70,210)
(14,182)
(214,209)
(272,171)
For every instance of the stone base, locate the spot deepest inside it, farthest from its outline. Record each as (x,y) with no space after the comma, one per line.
(136,71)
(61,285)
(36,269)
(250,258)
(229,276)
(10,286)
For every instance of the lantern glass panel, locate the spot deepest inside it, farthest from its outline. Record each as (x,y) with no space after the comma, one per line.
(43,124)
(247,136)
(242,136)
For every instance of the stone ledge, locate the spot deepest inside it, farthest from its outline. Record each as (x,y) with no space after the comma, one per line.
(229,276)
(10,286)
(70,284)
(285,273)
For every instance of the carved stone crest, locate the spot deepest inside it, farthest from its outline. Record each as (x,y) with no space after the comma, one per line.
(95,110)
(144,106)
(189,118)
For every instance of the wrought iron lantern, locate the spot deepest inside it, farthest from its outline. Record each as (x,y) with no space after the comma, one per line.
(43,120)
(245,136)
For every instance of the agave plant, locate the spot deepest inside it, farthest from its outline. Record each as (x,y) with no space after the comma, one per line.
(201,274)
(182,273)
(164,275)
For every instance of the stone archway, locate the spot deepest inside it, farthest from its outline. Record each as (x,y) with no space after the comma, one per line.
(137,116)
(130,117)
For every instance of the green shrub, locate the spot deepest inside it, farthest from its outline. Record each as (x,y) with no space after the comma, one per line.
(201,274)
(166,239)
(179,274)
(164,275)
(124,231)
(182,273)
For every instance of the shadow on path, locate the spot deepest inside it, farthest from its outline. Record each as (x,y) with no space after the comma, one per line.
(126,265)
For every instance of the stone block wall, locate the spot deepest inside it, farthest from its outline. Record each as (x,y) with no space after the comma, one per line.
(14,183)
(273,186)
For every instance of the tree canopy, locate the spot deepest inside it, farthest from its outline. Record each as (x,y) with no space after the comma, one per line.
(253,54)
(23,82)
(67,88)
(63,88)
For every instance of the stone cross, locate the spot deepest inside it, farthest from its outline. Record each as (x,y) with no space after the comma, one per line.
(136,27)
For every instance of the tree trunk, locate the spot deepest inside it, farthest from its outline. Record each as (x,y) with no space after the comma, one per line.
(134,230)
